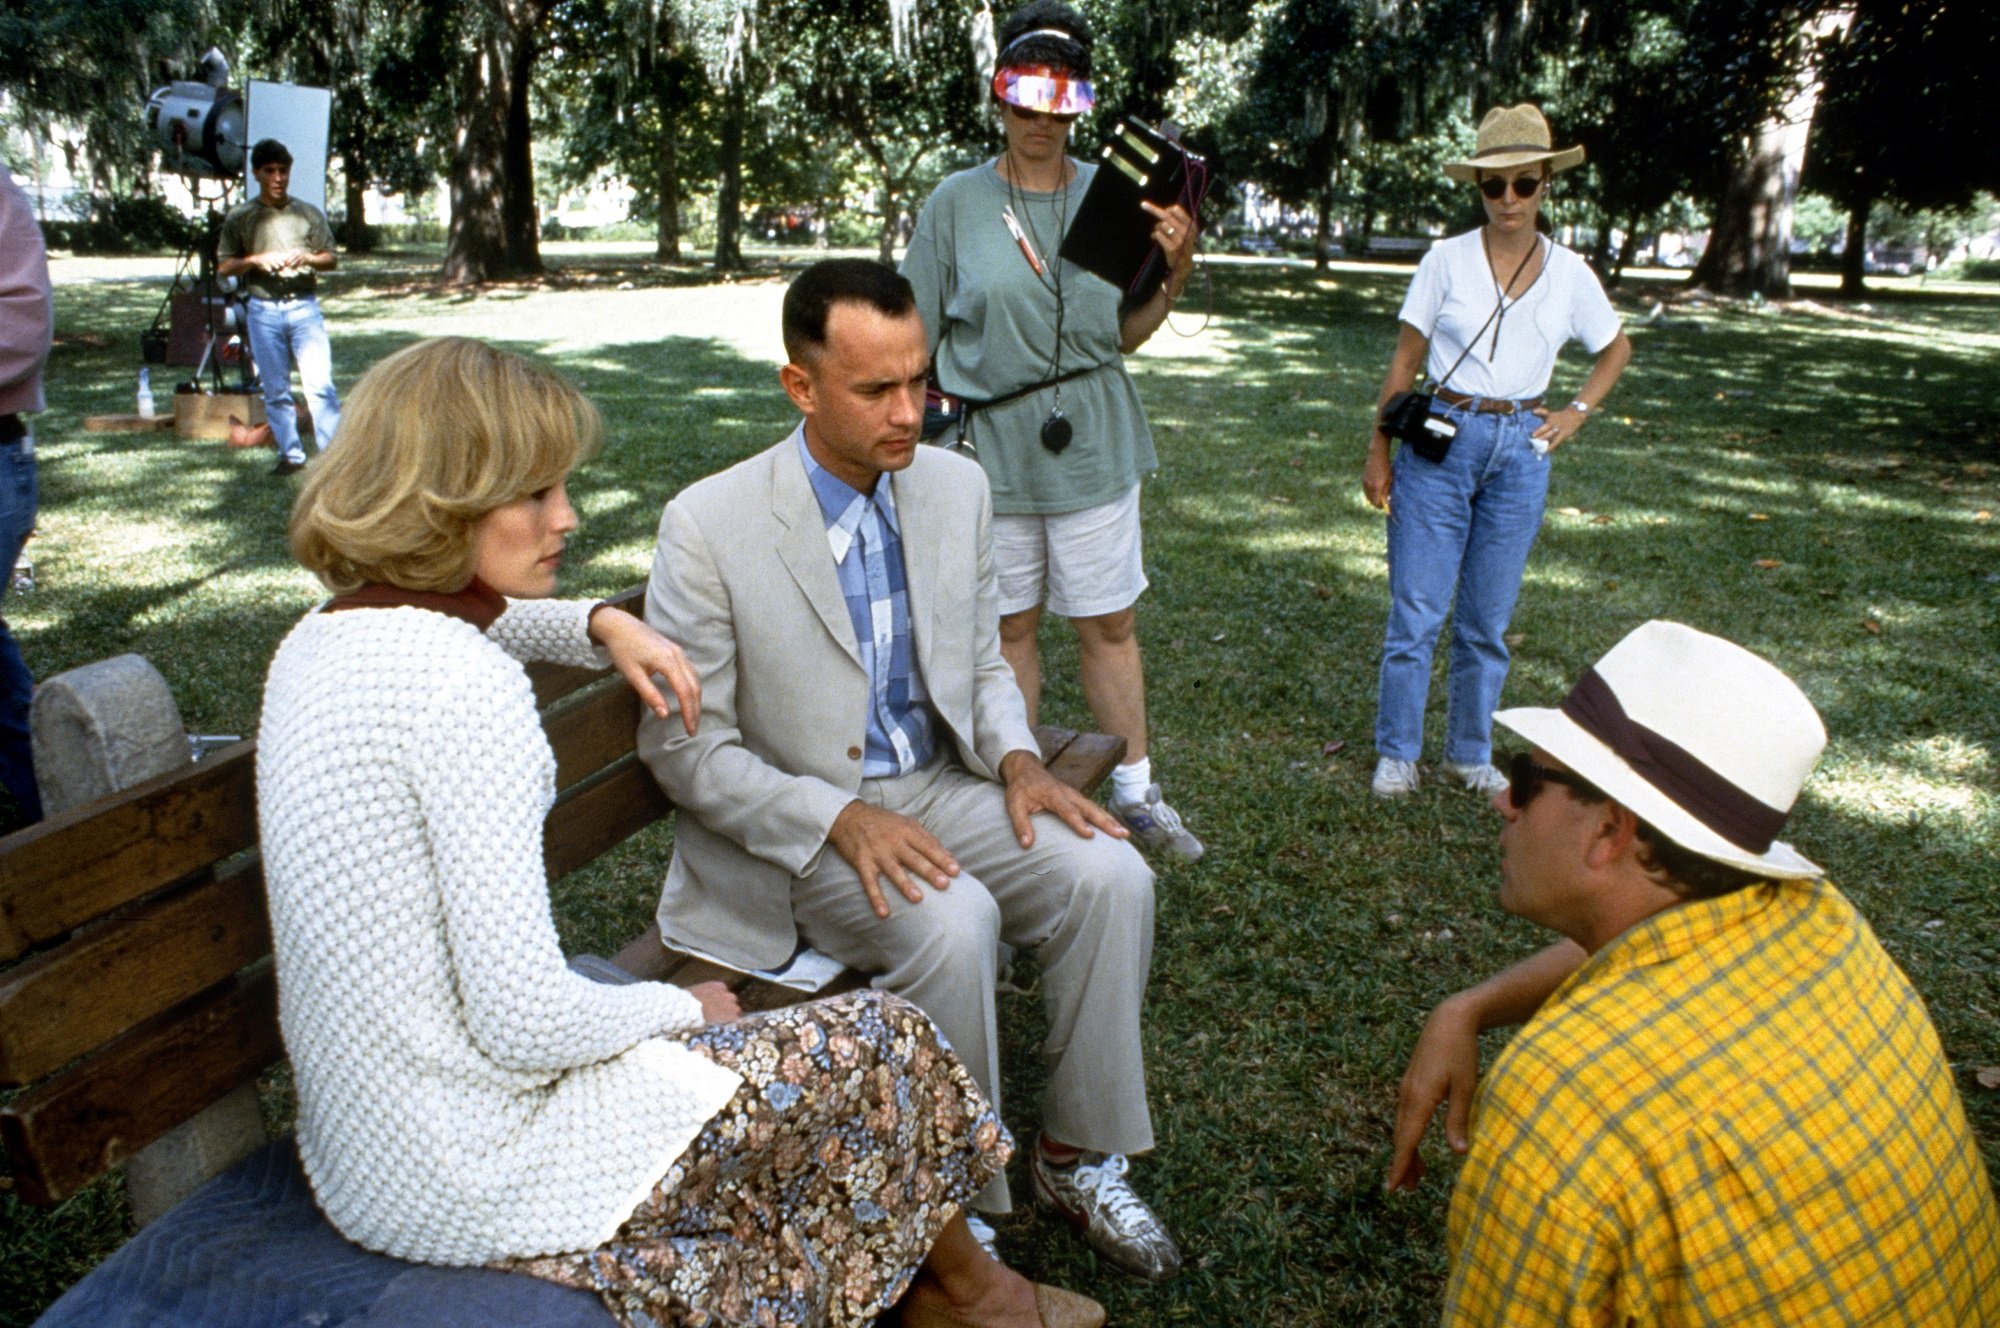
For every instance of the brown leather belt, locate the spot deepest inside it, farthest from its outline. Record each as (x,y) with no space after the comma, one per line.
(1485,405)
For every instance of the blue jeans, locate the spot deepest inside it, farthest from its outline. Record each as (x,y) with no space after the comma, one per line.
(1459,535)
(19,501)
(284,332)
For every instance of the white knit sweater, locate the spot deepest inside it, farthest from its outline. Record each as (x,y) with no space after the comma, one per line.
(463,1096)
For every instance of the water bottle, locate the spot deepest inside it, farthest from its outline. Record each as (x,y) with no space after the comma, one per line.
(145,394)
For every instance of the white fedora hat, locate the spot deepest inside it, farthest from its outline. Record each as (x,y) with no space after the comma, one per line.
(1705,741)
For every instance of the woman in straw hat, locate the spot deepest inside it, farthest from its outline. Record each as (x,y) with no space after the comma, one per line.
(464,1097)
(1484,317)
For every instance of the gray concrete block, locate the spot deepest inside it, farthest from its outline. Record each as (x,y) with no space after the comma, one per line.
(101,728)
(186,1157)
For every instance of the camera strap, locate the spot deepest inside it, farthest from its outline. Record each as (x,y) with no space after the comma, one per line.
(1499,308)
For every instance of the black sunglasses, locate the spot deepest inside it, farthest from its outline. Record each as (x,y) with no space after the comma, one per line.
(1525,779)
(1023,113)
(1524,187)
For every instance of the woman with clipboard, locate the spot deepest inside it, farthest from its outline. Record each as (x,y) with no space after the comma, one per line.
(1036,344)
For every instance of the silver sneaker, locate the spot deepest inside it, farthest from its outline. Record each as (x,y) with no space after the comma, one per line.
(1485,778)
(1156,826)
(1096,1199)
(1394,778)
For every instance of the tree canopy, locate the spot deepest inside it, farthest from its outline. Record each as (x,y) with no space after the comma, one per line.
(1698,113)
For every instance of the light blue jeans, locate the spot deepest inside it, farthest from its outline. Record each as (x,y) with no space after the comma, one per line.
(1459,535)
(284,332)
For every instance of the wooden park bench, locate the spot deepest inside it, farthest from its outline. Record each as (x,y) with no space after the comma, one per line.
(136,990)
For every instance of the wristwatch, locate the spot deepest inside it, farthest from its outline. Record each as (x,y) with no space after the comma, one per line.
(1580,407)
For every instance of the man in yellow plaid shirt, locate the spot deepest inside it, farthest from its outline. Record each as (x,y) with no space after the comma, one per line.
(1728,1105)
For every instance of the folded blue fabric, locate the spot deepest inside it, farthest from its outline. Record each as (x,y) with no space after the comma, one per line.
(251,1250)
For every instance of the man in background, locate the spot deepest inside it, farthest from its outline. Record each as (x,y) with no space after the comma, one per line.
(278,245)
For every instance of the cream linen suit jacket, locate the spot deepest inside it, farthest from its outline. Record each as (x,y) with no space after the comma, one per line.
(744,581)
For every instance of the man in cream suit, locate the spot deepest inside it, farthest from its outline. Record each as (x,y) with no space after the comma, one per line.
(864,777)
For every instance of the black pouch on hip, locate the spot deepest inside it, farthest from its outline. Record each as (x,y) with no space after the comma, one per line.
(1407,416)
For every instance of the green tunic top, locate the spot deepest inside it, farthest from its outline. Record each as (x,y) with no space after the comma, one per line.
(257,228)
(992,326)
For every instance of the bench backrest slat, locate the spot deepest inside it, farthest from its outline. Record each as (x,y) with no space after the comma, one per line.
(593,731)
(59,1005)
(600,814)
(58,875)
(67,1131)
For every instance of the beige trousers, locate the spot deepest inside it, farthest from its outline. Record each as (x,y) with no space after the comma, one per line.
(1082,907)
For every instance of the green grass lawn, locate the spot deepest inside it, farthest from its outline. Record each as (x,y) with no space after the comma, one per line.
(1816,482)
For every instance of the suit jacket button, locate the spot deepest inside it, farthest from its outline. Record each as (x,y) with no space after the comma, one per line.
(854,753)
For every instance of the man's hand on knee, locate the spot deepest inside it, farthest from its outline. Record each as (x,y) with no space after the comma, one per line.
(883,845)
(1031,788)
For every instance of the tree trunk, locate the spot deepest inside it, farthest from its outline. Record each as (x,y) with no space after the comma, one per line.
(667,188)
(519,213)
(1627,251)
(1323,228)
(489,210)
(356,236)
(891,215)
(729,193)
(1750,240)
(1854,259)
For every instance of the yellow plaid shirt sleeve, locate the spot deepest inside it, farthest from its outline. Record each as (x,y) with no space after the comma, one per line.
(1737,1113)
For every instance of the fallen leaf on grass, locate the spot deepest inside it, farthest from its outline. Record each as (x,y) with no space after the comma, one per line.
(1514,638)
(1319,591)
(1332,746)
(1982,516)
(1219,636)
(1987,1076)
(1572,511)
(1760,516)
(1870,626)
(1278,498)
(1768,563)
(1600,520)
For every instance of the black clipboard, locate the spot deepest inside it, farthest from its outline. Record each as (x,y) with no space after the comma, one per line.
(1112,236)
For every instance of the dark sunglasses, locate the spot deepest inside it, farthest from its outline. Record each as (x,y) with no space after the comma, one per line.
(1525,780)
(1023,113)
(1525,186)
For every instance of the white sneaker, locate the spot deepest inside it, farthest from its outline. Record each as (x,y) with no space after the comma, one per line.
(1485,778)
(1156,826)
(1394,778)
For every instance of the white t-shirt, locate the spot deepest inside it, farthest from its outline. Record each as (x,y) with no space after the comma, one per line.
(1454,291)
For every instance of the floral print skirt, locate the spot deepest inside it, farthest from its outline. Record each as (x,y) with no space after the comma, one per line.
(813,1196)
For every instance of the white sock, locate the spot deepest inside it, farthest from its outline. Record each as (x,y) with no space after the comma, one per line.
(1130,781)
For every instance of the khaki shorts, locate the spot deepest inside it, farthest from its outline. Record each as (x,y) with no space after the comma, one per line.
(1081,564)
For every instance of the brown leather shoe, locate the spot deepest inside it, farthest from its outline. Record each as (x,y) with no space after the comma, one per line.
(1058,1309)
(1067,1309)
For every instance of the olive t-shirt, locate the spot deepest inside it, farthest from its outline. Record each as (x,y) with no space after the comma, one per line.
(992,326)
(257,228)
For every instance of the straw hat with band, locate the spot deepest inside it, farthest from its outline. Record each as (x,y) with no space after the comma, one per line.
(1705,741)
(1044,87)
(1513,136)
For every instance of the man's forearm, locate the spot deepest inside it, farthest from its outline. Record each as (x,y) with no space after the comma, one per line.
(1512,995)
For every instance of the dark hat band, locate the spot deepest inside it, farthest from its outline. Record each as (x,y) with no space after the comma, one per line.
(1514,147)
(1744,821)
